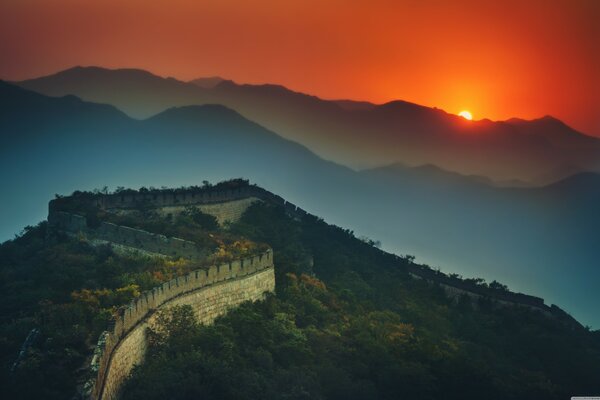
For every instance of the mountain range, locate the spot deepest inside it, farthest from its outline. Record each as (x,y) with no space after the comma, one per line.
(537,240)
(356,134)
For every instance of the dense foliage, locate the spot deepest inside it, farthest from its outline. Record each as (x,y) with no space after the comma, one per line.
(57,294)
(189,224)
(67,290)
(353,325)
(347,322)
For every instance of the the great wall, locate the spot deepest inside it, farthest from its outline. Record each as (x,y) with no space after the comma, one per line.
(127,238)
(210,291)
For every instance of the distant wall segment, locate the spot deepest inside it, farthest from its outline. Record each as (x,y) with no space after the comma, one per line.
(137,239)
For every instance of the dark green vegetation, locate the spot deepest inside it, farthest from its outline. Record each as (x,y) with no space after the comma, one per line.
(347,322)
(64,292)
(354,325)
(67,290)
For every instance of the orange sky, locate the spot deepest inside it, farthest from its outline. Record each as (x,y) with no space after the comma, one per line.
(497,59)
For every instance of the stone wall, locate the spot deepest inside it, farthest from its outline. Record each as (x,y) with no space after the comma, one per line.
(221,199)
(230,211)
(156,198)
(225,205)
(144,241)
(461,286)
(455,293)
(210,292)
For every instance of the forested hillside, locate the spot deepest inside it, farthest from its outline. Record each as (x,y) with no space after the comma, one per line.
(348,322)
(59,292)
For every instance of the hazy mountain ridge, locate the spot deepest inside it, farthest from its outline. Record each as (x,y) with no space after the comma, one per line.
(208,82)
(522,237)
(427,173)
(358,136)
(14,99)
(136,92)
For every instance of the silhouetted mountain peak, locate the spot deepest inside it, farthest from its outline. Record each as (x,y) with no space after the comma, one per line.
(210,82)
(15,99)
(427,173)
(7,89)
(547,123)
(407,111)
(198,112)
(264,88)
(550,118)
(86,82)
(582,182)
(91,72)
(354,105)
(403,105)
(200,109)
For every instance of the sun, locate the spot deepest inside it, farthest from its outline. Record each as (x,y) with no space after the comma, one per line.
(466,115)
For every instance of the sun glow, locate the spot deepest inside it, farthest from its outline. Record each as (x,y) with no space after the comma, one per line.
(466,115)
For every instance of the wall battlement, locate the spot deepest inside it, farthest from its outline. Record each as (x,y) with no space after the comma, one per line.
(173,198)
(156,198)
(455,288)
(211,292)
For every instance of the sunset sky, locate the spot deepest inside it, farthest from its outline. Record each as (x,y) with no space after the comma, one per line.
(497,59)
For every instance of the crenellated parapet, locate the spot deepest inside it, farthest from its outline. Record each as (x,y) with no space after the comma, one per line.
(456,288)
(177,198)
(210,292)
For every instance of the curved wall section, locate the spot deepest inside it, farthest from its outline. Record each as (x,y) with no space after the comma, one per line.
(209,292)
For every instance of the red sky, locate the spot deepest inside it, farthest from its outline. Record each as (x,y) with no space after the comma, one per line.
(498,59)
